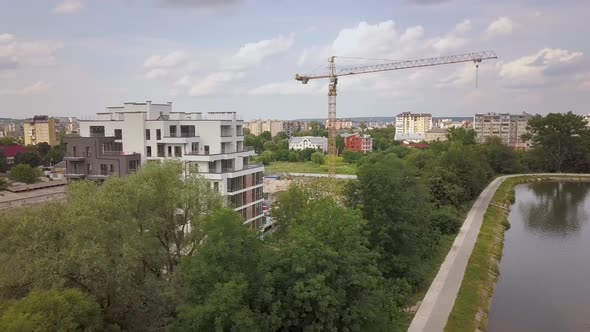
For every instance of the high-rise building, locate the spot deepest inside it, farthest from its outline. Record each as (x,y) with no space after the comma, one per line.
(508,127)
(39,129)
(407,123)
(211,144)
(274,127)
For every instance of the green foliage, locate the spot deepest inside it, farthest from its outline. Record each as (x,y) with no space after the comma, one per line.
(383,138)
(317,158)
(315,129)
(266,157)
(3,184)
(55,155)
(25,173)
(265,136)
(42,148)
(52,310)
(561,142)
(3,162)
(351,157)
(501,158)
(30,158)
(393,200)
(446,220)
(462,135)
(8,141)
(119,242)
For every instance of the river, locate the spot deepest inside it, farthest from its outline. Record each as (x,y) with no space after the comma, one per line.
(544,283)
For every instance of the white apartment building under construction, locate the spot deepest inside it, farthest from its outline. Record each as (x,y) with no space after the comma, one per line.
(213,142)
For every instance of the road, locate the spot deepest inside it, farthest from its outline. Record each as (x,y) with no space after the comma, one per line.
(436,306)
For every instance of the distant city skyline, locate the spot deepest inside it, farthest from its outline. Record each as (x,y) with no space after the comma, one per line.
(81,56)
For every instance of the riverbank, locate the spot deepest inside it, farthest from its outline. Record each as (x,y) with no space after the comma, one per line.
(470,310)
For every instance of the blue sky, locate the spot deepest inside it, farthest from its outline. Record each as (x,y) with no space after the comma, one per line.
(75,57)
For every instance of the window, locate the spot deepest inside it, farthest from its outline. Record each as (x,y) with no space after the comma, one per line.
(158,134)
(96,131)
(149,151)
(177,151)
(216,186)
(103,169)
(87,151)
(74,151)
(194,147)
(112,167)
(187,131)
(169,151)
(147,134)
(118,134)
(172,131)
(133,164)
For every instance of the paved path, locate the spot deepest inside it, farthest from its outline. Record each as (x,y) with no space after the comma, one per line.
(436,306)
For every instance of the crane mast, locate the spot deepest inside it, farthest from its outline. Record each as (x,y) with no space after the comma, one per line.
(333,74)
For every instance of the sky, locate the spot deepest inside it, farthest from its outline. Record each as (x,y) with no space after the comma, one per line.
(75,57)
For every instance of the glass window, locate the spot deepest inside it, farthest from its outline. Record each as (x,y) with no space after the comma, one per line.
(118,134)
(158,134)
(96,131)
(172,131)
(147,134)
(149,151)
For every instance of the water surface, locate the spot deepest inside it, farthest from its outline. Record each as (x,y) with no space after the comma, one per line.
(544,283)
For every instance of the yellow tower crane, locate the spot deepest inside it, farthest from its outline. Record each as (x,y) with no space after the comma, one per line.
(333,75)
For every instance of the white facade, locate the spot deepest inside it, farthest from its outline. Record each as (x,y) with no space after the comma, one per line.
(308,142)
(212,143)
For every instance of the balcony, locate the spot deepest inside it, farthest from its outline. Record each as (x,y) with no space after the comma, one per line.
(73,157)
(217,152)
(97,177)
(117,153)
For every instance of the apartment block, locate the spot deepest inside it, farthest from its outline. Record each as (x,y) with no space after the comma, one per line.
(436,134)
(274,127)
(508,127)
(39,129)
(412,123)
(341,124)
(358,142)
(211,143)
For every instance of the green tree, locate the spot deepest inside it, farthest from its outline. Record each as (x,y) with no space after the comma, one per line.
(53,310)
(269,146)
(501,158)
(393,199)
(317,158)
(8,141)
(563,140)
(42,148)
(265,136)
(3,184)
(351,157)
(55,155)
(30,158)
(220,288)
(462,135)
(3,162)
(25,173)
(266,157)
(339,144)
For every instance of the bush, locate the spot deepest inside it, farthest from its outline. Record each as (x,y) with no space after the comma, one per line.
(446,220)
(25,173)
(317,158)
(351,157)
(3,184)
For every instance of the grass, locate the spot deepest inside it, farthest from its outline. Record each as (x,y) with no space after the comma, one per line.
(280,167)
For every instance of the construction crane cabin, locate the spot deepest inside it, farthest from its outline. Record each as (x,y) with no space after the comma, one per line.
(333,74)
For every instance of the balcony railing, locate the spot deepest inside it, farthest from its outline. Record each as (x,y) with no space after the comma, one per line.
(74,157)
(180,135)
(118,153)
(216,152)
(234,169)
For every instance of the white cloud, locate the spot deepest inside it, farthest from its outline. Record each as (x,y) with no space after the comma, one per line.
(213,82)
(463,27)
(531,70)
(412,33)
(34,89)
(171,59)
(288,88)
(501,26)
(156,73)
(68,7)
(252,54)
(448,43)
(36,52)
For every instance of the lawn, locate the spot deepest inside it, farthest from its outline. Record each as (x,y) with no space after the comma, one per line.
(280,167)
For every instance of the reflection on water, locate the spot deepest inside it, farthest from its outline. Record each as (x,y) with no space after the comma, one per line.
(544,282)
(557,210)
